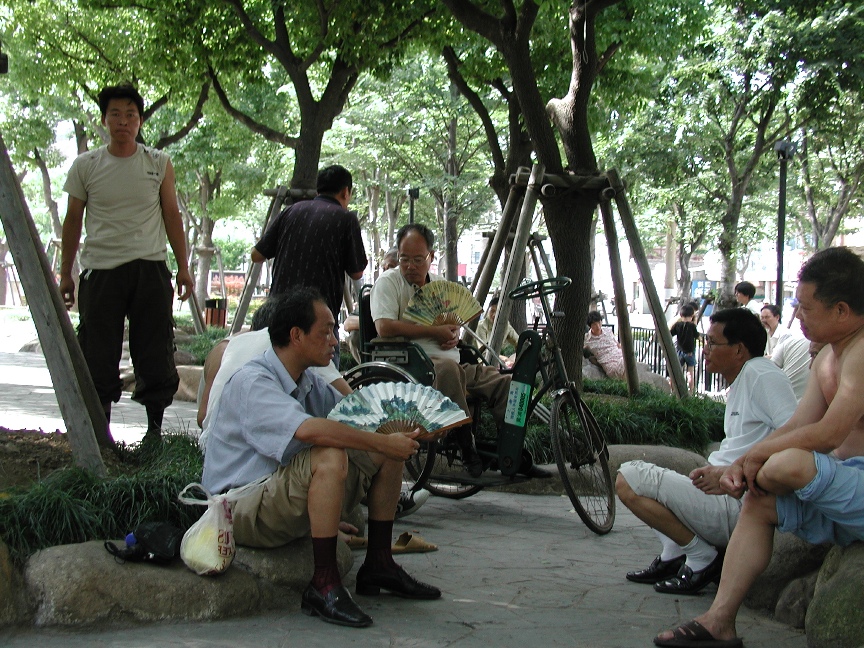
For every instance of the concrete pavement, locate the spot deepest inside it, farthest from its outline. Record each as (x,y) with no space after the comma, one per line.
(516,571)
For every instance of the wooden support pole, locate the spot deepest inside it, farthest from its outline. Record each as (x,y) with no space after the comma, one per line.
(487,272)
(624,330)
(517,257)
(678,381)
(73,385)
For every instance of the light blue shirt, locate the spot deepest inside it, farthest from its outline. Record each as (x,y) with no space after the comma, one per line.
(253,426)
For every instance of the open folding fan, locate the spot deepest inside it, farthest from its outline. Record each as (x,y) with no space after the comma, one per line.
(442,302)
(389,407)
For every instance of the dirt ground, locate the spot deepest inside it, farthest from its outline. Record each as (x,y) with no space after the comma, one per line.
(27,455)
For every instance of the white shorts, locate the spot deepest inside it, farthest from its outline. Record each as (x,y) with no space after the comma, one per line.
(711,517)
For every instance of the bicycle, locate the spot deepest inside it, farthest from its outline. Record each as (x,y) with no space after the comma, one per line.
(578,443)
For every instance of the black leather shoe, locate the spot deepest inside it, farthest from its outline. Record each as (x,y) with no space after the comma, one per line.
(397,582)
(336,606)
(689,582)
(472,461)
(535,472)
(657,571)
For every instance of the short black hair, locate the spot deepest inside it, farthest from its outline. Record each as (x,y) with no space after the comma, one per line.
(594,316)
(494,301)
(122,91)
(740,325)
(421,229)
(687,310)
(838,274)
(263,316)
(293,308)
(775,311)
(333,179)
(746,288)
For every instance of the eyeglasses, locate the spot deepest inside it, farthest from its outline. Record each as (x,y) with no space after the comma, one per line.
(710,344)
(405,261)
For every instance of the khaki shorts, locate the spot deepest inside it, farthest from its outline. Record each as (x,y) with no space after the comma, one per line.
(711,517)
(277,511)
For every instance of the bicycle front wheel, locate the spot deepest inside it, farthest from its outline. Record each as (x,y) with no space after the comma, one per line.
(583,461)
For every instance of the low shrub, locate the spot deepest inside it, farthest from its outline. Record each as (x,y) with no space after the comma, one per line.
(73,505)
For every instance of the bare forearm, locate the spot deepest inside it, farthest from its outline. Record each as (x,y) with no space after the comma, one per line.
(398,328)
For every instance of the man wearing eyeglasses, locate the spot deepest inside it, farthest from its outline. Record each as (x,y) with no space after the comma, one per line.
(692,517)
(390,296)
(807,477)
(315,243)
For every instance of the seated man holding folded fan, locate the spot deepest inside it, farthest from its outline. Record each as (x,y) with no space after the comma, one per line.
(390,297)
(270,425)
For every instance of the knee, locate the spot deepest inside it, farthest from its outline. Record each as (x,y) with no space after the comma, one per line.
(623,489)
(330,462)
(787,470)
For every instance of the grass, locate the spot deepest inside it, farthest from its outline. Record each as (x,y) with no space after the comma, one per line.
(72,505)
(199,345)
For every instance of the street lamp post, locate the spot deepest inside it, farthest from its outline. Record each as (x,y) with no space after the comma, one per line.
(413,194)
(785,150)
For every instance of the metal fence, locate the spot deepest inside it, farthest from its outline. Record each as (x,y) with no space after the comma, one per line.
(646,344)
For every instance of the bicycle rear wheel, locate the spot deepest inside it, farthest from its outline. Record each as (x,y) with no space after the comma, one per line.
(437,466)
(583,461)
(418,468)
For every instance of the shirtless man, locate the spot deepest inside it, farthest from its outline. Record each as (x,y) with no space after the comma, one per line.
(807,477)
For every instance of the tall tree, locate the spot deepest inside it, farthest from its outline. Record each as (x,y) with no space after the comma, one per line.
(559,125)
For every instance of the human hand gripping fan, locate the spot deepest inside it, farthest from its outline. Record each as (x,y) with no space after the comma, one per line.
(393,407)
(442,302)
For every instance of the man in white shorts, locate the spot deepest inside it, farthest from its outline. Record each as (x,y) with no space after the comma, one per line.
(691,516)
(807,477)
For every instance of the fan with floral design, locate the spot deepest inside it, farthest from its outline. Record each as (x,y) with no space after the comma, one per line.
(390,407)
(442,302)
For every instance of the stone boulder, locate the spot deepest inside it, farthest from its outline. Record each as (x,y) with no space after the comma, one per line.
(794,600)
(190,377)
(682,461)
(182,357)
(792,559)
(835,617)
(591,371)
(82,584)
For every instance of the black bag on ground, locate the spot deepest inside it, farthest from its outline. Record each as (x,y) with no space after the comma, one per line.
(157,542)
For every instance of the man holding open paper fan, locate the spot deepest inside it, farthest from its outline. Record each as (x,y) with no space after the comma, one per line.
(390,300)
(304,471)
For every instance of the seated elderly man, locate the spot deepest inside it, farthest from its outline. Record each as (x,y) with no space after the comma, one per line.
(806,477)
(390,296)
(692,517)
(270,425)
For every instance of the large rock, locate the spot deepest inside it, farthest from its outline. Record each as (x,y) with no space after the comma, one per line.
(591,371)
(289,566)
(794,600)
(835,617)
(190,377)
(682,461)
(791,559)
(82,584)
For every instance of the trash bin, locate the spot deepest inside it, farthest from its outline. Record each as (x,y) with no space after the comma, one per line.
(215,312)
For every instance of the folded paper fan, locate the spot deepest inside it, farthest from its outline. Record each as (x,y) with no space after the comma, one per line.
(389,407)
(442,302)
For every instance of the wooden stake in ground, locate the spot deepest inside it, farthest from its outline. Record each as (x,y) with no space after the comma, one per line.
(76,394)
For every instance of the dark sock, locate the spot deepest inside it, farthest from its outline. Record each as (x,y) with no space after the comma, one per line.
(154,419)
(326,574)
(379,553)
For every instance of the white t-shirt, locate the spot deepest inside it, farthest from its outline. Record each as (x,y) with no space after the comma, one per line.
(123,219)
(241,349)
(389,298)
(759,401)
(792,355)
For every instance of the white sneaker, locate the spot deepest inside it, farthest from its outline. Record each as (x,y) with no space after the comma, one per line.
(410,501)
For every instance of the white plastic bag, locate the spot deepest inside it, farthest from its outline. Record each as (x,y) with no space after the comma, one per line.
(208,545)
